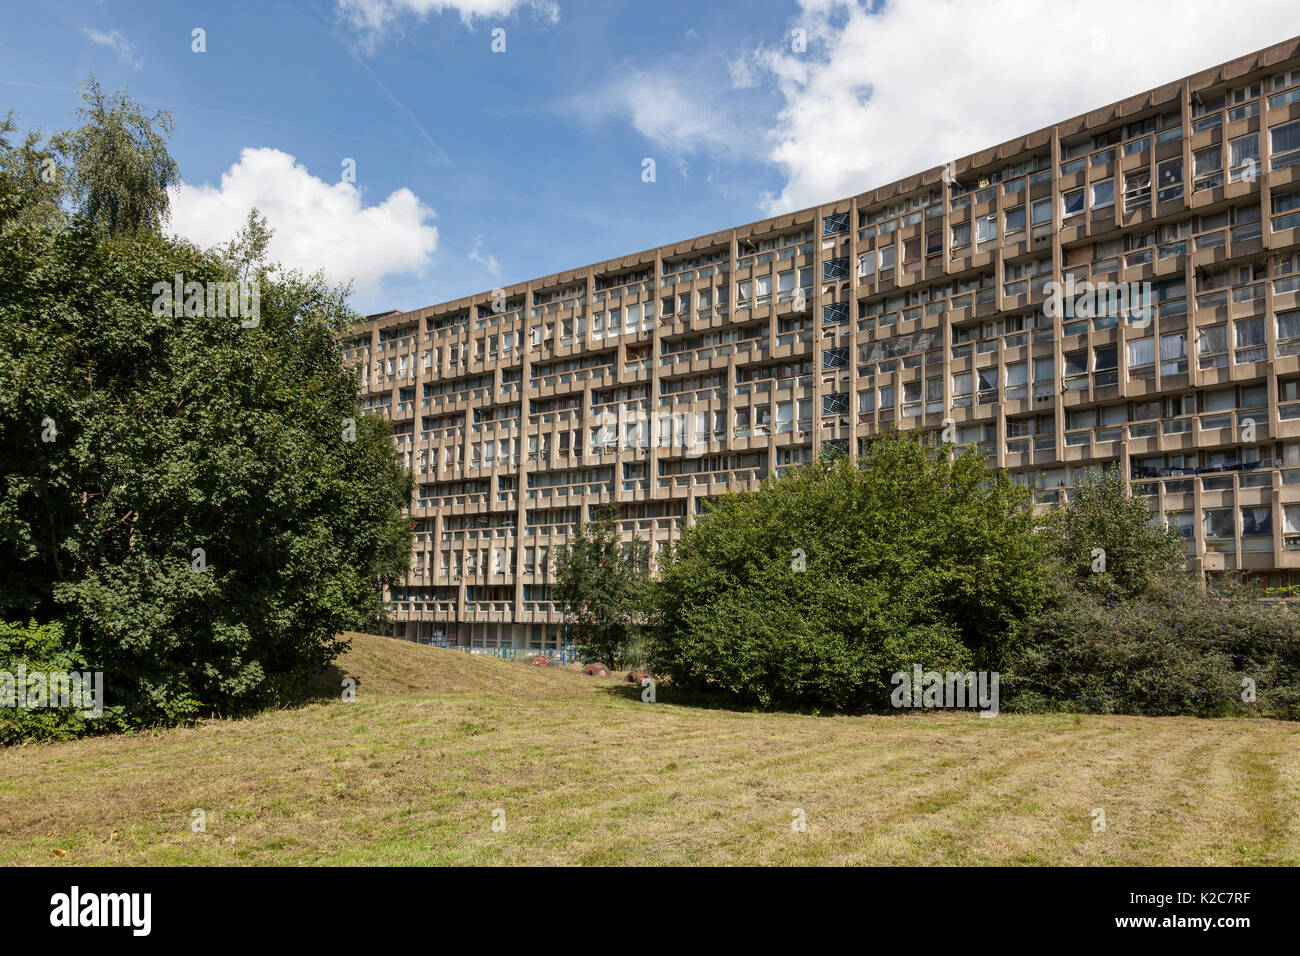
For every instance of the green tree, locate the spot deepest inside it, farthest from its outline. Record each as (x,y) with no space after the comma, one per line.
(1109,541)
(601,581)
(815,589)
(118,163)
(199,504)
(37,179)
(246,253)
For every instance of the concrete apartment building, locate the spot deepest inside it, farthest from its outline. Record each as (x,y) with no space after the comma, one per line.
(952,301)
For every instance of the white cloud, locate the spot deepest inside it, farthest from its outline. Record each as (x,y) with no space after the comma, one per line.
(881,96)
(318,225)
(373,17)
(668,110)
(742,74)
(486,260)
(117,43)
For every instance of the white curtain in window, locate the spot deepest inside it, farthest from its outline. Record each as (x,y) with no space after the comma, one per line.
(1292,517)
(1249,332)
(1141,352)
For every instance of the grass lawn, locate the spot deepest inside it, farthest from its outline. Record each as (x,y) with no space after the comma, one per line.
(587,774)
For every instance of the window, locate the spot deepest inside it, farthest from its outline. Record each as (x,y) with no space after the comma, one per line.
(1076,363)
(1173,354)
(784,417)
(961,235)
(1243,158)
(1138,127)
(1203,103)
(986,228)
(1105,361)
(1257,522)
(1282,81)
(1169,180)
(1243,93)
(1249,340)
(1291,514)
(1044,377)
(1016,219)
(1109,138)
(1253,396)
(1141,357)
(911,399)
(763,289)
(1103,193)
(1246,213)
(1017,377)
(1218,523)
(1212,347)
(867,263)
(1137,146)
(934,394)
(1171,128)
(1289,203)
(1285,144)
(1207,167)
(1072,203)
(1081,418)
(1280,100)
(1288,332)
(988,385)
(1019,427)
(1040,211)
(1137,190)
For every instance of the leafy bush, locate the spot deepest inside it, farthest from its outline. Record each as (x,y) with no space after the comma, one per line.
(39,648)
(813,590)
(1177,649)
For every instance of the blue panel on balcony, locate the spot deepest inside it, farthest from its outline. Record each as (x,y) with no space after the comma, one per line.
(834,313)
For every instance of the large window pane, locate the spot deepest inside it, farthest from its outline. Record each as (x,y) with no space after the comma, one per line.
(1141,352)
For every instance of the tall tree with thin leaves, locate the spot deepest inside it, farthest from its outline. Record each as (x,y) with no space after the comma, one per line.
(118,162)
(602,581)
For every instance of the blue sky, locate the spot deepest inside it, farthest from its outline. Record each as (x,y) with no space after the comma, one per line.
(476,168)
